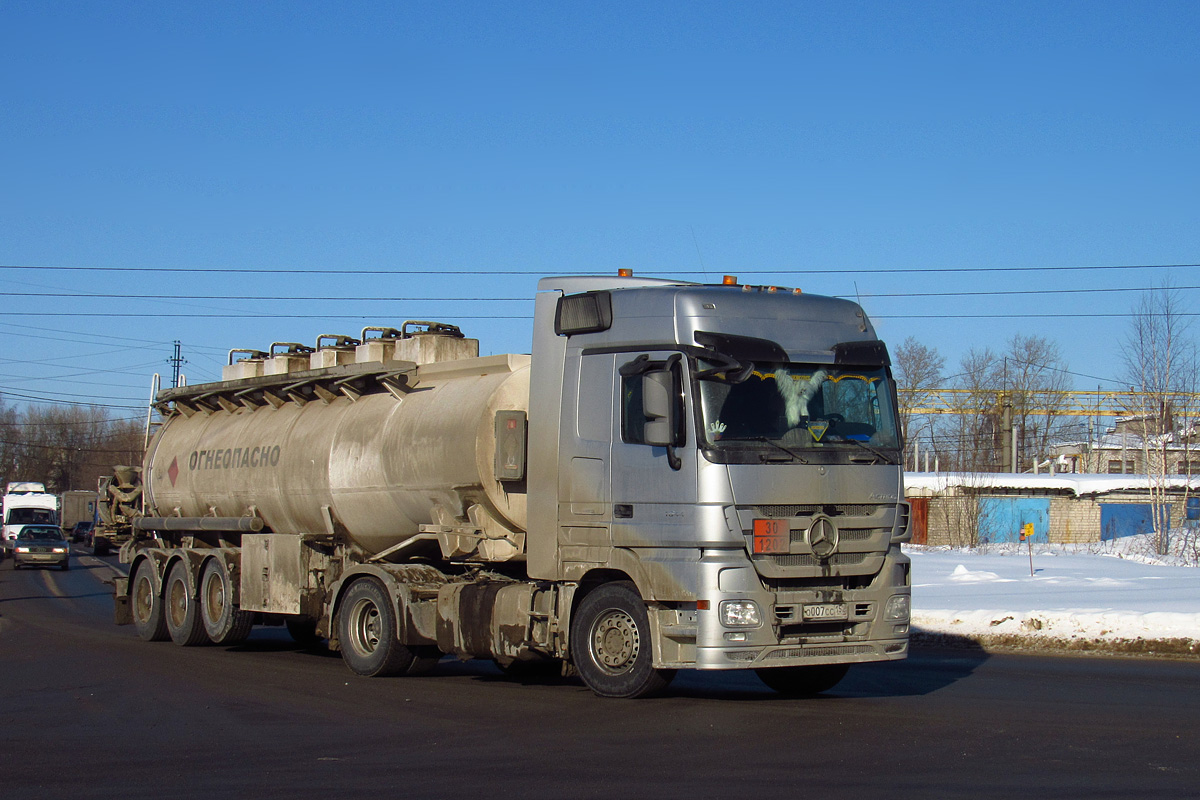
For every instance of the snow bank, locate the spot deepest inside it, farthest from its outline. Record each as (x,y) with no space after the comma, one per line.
(1072,601)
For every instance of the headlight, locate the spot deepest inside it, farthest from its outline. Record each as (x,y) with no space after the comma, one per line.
(60,549)
(22,549)
(740,614)
(898,608)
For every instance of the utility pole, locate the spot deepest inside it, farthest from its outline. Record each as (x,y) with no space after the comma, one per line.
(176,361)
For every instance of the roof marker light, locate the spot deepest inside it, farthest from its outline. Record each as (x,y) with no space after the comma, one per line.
(730,280)
(797,291)
(625,272)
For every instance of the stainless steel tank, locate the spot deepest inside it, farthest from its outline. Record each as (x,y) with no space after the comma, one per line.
(373,469)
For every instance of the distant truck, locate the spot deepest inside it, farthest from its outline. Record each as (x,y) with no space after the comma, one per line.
(75,507)
(26,503)
(679,476)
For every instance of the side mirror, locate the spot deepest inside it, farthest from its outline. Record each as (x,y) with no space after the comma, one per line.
(661,407)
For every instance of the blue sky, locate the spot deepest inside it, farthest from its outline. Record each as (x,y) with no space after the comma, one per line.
(689,140)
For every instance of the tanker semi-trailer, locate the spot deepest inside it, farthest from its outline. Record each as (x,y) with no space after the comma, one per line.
(679,476)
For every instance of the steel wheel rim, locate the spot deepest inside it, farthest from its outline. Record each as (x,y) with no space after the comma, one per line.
(615,641)
(177,603)
(365,626)
(214,596)
(143,599)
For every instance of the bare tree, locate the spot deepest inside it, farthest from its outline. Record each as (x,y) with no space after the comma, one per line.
(1160,361)
(974,429)
(918,372)
(1034,377)
(66,446)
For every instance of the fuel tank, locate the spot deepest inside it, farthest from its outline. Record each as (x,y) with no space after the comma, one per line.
(368,453)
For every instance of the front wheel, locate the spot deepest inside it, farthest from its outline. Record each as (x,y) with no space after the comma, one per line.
(803,681)
(611,644)
(366,623)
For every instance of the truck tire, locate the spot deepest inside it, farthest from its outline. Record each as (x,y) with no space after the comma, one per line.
(303,631)
(181,609)
(100,547)
(366,621)
(224,622)
(611,644)
(803,681)
(146,605)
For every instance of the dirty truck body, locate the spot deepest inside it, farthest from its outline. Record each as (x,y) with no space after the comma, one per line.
(679,476)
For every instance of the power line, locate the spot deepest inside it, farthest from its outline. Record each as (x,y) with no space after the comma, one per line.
(242,315)
(480,272)
(376,299)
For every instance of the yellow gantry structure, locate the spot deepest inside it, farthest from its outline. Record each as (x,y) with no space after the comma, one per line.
(1185,405)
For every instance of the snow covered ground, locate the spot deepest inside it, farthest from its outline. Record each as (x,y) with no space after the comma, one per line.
(1074,600)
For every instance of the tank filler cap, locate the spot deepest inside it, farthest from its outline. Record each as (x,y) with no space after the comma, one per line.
(384,333)
(336,340)
(250,354)
(430,329)
(294,348)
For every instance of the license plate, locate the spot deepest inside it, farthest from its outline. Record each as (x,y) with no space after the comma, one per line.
(826,611)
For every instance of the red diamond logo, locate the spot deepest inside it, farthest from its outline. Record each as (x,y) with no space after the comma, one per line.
(173,470)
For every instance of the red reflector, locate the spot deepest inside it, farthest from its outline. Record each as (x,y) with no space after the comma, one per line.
(702,605)
(771,536)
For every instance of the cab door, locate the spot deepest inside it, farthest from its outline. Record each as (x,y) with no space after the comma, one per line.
(654,488)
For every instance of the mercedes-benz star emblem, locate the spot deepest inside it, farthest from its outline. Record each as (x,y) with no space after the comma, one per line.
(823,538)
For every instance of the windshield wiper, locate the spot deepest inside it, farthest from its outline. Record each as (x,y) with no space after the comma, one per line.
(872,450)
(778,446)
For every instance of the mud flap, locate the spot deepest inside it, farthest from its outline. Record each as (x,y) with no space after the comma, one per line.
(122,615)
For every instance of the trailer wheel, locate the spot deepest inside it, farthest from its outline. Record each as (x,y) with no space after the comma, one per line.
(224,622)
(181,609)
(611,644)
(366,623)
(803,681)
(146,605)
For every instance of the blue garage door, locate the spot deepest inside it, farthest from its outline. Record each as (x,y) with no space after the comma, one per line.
(1125,519)
(1001,518)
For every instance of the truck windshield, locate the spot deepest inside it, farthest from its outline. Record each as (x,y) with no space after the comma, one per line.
(27,516)
(802,407)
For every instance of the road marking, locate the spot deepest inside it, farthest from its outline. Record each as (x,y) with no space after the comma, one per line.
(52,584)
(92,561)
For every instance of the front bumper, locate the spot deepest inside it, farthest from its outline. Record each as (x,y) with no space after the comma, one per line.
(786,635)
(40,559)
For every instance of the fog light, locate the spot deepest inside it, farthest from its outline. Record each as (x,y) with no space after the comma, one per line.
(740,614)
(898,608)
(900,630)
(735,636)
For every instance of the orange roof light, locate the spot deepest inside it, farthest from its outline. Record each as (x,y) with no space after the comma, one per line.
(625,273)
(730,280)
(797,291)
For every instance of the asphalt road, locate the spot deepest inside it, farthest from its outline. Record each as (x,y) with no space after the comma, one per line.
(89,710)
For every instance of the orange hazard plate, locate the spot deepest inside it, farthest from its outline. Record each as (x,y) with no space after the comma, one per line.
(772,536)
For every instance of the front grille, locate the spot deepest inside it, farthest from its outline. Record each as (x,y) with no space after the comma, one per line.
(838,560)
(816,652)
(788,511)
(845,534)
(783,511)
